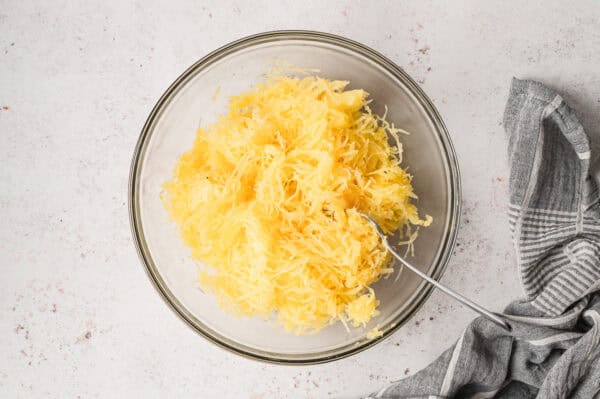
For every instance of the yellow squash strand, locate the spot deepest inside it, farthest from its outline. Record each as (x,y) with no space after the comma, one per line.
(268,197)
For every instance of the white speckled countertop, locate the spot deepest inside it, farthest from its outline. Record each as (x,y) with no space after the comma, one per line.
(78,316)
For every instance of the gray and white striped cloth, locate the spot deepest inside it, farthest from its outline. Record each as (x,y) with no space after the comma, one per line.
(553,350)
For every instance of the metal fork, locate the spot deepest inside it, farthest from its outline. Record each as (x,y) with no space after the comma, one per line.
(467,302)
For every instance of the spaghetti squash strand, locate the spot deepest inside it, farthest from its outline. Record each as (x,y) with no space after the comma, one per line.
(268,198)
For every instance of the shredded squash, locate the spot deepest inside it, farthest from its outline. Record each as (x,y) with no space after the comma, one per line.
(375,332)
(268,196)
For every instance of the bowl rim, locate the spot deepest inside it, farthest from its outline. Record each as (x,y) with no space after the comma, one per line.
(423,291)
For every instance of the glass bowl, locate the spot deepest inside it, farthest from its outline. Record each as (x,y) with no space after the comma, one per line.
(191,101)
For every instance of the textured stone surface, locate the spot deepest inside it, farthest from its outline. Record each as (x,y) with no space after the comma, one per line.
(79,318)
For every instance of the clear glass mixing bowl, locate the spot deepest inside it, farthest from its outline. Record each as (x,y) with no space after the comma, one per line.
(190,102)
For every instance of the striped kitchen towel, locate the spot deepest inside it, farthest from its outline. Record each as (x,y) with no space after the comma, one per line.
(553,350)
